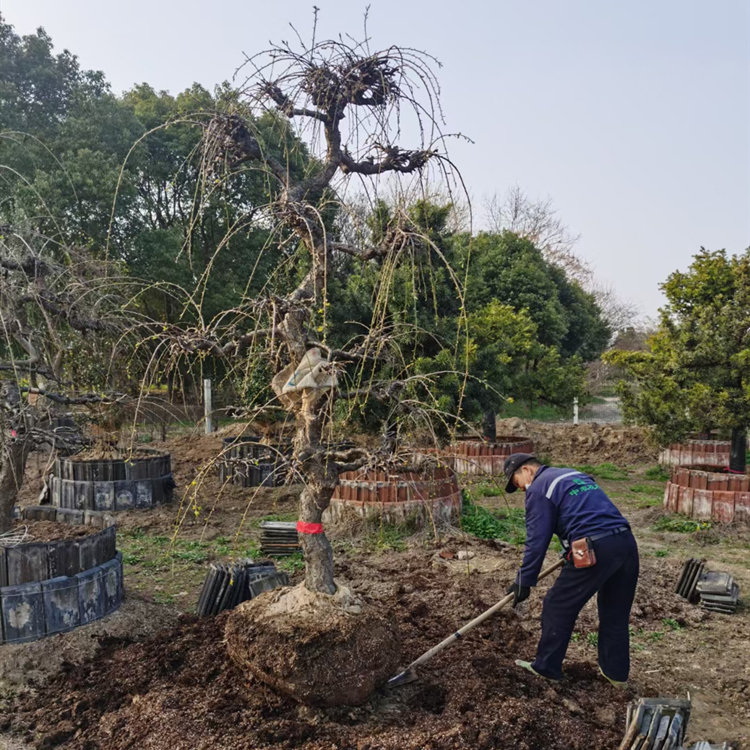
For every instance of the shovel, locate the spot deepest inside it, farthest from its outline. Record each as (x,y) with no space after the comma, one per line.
(410,673)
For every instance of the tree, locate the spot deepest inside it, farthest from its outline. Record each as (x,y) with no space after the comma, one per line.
(527,333)
(120,175)
(567,325)
(343,99)
(539,222)
(695,375)
(499,345)
(62,322)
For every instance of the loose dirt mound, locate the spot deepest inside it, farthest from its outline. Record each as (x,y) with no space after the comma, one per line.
(180,690)
(50,531)
(336,653)
(112,453)
(584,443)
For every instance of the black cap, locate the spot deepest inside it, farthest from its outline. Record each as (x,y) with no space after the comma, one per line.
(514,462)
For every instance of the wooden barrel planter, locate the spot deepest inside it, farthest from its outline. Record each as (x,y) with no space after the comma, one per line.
(396,497)
(474,455)
(112,484)
(705,494)
(52,587)
(713,453)
(249,463)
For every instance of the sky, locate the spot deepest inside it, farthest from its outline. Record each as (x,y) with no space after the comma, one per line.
(633,117)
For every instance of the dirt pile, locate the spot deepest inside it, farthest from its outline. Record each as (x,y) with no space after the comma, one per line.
(103,452)
(50,531)
(336,653)
(584,443)
(180,690)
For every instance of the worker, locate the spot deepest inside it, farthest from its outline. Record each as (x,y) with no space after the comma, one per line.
(601,558)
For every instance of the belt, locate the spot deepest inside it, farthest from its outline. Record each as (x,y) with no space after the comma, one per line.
(604,534)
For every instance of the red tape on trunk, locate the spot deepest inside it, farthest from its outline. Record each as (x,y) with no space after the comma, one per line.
(309,528)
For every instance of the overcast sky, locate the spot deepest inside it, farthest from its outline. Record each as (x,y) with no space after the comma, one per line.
(633,116)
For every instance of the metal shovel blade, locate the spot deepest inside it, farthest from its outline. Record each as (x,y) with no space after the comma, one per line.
(403,678)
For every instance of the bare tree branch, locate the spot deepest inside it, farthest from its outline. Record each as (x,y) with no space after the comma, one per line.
(395,160)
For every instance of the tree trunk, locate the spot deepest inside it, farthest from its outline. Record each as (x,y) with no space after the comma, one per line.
(321,478)
(489,425)
(12,467)
(314,500)
(738,451)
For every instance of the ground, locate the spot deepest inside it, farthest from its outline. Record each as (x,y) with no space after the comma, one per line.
(122,684)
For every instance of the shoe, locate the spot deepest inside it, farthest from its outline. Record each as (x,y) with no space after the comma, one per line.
(615,683)
(527,666)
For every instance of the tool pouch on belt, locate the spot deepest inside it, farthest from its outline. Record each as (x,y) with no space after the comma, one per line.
(582,553)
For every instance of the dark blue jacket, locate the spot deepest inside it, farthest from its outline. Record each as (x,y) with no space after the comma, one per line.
(567,503)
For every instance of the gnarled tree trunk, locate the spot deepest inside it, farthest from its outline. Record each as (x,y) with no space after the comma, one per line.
(319,486)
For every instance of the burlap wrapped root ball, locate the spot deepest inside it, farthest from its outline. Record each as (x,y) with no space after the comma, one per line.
(321,650)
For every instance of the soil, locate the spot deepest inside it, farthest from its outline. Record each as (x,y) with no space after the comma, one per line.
(585,443)
(223,509)
(181,690)
(711,469)
(32,663)
(203,506)
(336,652)
(51,531)
(112,453)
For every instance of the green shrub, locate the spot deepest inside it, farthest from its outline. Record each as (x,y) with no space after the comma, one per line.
(508,525)
(657,474)
(604,471)
(648,489)
(681,524)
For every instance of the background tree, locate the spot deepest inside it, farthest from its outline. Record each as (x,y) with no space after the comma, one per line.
(695,376)
(539,222)
(121,176)
(525,334)
(568,328)
(62,321)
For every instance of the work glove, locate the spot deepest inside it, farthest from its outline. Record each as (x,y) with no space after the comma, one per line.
(520,593)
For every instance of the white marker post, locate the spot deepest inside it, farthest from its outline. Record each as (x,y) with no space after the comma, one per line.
(207,404)
(575,410)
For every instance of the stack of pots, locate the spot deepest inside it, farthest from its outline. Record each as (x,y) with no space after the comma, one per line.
(53,587)
(108,485)
(396,496)
(479,456)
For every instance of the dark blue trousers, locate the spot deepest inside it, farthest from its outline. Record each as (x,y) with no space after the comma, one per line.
(613,579)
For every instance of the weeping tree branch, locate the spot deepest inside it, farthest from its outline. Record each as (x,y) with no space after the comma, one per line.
(86,398)
(327,83)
